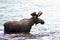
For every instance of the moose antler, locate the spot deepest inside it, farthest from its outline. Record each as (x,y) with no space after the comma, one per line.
(33,14)
(40,13)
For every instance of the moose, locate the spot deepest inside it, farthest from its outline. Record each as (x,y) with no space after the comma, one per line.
(23,25)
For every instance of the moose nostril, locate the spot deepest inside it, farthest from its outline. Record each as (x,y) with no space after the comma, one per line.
(42,22)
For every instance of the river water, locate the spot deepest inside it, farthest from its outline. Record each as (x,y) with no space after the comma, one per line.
(11,10)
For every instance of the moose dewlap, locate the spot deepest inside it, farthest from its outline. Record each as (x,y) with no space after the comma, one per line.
(23,25)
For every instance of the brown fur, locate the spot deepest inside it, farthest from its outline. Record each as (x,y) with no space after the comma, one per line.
(23,25)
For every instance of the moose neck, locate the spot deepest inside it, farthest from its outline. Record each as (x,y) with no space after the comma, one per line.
(32,21)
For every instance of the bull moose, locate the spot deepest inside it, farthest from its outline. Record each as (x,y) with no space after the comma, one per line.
(23,25)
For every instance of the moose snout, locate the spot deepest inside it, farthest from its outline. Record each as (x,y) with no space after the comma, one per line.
(43,22)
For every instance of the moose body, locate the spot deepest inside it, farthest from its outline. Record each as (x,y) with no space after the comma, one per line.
(23,25)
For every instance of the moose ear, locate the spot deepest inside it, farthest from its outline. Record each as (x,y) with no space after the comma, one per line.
(33,14)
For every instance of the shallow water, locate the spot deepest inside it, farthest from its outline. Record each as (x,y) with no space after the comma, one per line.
(46,35)
(11,10)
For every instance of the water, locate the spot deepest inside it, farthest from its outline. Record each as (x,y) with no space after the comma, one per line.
(18,9)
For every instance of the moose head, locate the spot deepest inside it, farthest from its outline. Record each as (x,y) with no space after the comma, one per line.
(36,19)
